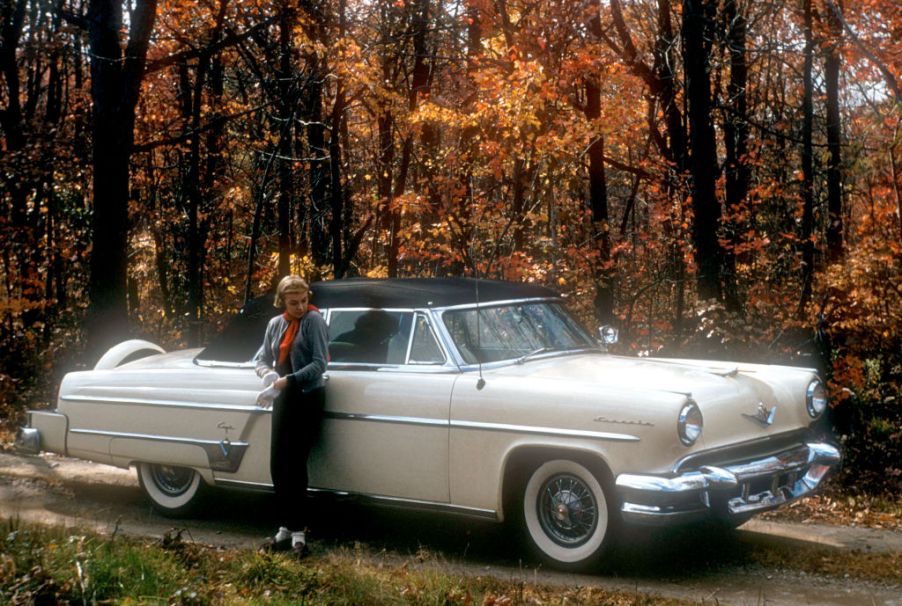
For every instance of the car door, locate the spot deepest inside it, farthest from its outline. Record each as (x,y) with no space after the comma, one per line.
(386,425)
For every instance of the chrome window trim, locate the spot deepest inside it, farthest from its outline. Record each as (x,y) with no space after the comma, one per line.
(499,303)
(413,330)
(426,317)
(461,363)
(167,403)
(406,365)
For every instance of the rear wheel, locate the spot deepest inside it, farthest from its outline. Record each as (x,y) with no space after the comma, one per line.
(565,515)
(173,491)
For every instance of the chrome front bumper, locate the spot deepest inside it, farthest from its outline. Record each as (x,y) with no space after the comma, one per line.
(732,491)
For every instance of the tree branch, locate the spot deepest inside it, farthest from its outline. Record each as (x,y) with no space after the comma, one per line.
(227,41)
(887,75)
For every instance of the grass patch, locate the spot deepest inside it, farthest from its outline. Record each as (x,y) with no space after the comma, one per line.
(51,566)
(55,566)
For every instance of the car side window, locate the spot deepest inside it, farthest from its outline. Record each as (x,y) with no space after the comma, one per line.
(369,336)
(425,348)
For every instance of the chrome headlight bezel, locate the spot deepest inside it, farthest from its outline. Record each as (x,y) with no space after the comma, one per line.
(816,398)
(690,423)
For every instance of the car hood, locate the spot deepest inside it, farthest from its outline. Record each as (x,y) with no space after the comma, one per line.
(730,395)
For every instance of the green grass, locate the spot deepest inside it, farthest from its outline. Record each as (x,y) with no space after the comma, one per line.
(41,565)
(54,566)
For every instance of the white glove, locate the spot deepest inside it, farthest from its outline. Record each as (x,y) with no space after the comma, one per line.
(269,378)
(265,398)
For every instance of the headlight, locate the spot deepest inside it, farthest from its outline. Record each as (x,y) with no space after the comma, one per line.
(690,423)
(816,398)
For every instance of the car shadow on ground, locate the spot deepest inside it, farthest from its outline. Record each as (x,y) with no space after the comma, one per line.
(660,554)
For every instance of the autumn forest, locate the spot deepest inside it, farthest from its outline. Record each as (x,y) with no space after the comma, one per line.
(714,177)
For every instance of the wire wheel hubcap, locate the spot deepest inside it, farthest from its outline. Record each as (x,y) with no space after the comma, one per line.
(173,481)
(568,511)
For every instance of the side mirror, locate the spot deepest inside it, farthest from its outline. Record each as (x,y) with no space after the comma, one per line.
(608,335)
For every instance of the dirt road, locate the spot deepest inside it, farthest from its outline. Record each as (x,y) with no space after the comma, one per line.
(60,491)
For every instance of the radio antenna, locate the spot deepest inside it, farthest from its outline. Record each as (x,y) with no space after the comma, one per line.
(481,382)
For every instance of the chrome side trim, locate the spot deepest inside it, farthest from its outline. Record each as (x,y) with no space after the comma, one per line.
(146,436)
(473,512)
(351,416)
(545,431)
(474,425)
(244,485)
(223,455)
(217,364)
(169,403)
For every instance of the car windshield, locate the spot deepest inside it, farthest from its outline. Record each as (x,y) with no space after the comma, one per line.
(510,332)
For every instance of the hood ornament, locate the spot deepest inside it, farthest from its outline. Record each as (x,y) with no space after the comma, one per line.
(763,415)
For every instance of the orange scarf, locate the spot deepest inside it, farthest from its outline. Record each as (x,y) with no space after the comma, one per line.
(290,333)
(288,338)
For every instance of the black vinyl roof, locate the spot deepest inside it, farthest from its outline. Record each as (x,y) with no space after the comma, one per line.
(243,334)
(420,292)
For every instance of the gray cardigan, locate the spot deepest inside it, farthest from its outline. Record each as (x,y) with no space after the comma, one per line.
(309,352)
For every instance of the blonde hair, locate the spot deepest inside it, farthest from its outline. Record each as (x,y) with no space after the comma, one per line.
(290,284)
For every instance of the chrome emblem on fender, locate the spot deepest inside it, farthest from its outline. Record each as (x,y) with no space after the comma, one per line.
(623,421)
(763,415)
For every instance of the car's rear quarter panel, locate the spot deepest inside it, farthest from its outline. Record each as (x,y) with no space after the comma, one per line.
(141,413)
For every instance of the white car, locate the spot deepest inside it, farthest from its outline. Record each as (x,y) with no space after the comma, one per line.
(481,398)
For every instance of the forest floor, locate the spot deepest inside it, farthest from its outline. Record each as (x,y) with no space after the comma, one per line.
(802,556)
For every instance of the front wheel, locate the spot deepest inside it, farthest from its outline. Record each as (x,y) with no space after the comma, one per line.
(173,491)
(565,515)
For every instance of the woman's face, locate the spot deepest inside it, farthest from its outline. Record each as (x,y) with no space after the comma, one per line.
(296,304)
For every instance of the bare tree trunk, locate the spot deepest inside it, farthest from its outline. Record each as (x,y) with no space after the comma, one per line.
(115,87)
(285,104)
(735,142)
(598,198)
(832,61)
(697,17)
(316,145)
(336,225)
(13,21)
(807,235)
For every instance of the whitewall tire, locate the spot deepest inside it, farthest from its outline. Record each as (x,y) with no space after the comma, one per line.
(173,491)
(565,514)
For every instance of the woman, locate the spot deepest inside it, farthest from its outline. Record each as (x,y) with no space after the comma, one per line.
(295,350)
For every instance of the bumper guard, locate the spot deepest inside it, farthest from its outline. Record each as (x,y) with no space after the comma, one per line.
(732,491)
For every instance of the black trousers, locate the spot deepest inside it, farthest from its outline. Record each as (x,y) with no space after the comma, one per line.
(296,421)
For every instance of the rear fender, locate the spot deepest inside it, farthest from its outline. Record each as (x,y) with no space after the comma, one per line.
(127,350)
